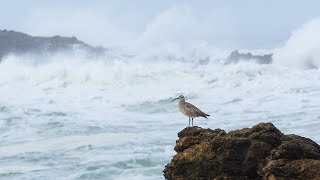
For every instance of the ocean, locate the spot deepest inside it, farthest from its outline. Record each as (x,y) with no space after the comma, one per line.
(74,117)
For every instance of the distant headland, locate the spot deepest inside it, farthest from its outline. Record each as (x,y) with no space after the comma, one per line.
(12,42)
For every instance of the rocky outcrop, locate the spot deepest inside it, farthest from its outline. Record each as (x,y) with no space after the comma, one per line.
(236,57)
(20,43)
(260,152)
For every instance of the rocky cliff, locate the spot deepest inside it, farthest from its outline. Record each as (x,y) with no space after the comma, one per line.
(260,152)
(12,42)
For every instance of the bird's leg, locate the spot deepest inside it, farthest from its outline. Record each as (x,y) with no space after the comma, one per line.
(189,122)
(192,122)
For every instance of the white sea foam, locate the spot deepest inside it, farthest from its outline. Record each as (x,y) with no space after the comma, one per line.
(19,169)
(112,118)
(302,50)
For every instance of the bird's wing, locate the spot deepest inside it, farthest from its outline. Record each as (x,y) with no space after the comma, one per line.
(194,109)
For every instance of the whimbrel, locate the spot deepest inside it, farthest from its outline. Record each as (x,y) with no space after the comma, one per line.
(190,110)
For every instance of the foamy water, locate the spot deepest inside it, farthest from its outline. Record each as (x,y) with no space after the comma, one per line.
(112,118)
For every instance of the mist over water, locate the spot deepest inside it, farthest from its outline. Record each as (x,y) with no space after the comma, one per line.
(70,117)
(302,48)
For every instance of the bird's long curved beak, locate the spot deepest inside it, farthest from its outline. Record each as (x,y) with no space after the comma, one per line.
(175,99)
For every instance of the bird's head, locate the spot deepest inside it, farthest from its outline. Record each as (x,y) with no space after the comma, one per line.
(181,97)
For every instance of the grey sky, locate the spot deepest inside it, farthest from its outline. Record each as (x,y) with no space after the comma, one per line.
(227,24)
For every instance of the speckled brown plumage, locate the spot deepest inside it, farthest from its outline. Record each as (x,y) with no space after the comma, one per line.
(190,110)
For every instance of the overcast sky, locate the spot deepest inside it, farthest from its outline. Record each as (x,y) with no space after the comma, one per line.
(221,23)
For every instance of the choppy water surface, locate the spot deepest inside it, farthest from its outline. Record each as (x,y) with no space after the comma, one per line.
(112,118)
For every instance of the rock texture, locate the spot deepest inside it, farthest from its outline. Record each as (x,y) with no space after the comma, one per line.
(20,43)
(236,57)
(260,152)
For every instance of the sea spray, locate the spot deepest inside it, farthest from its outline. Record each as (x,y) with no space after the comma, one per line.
(112,118)
(302,50)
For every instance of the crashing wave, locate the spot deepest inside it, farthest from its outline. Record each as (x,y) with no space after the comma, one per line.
(302,50)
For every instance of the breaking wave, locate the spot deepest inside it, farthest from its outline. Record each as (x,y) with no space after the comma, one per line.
(302,50)
(112,117)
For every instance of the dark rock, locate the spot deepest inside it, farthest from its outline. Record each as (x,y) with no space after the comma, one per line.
(192,136)
(284,169)
(260,152)
(236,57)
(12,42)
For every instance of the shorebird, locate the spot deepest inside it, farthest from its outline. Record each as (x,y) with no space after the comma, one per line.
(189,110)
